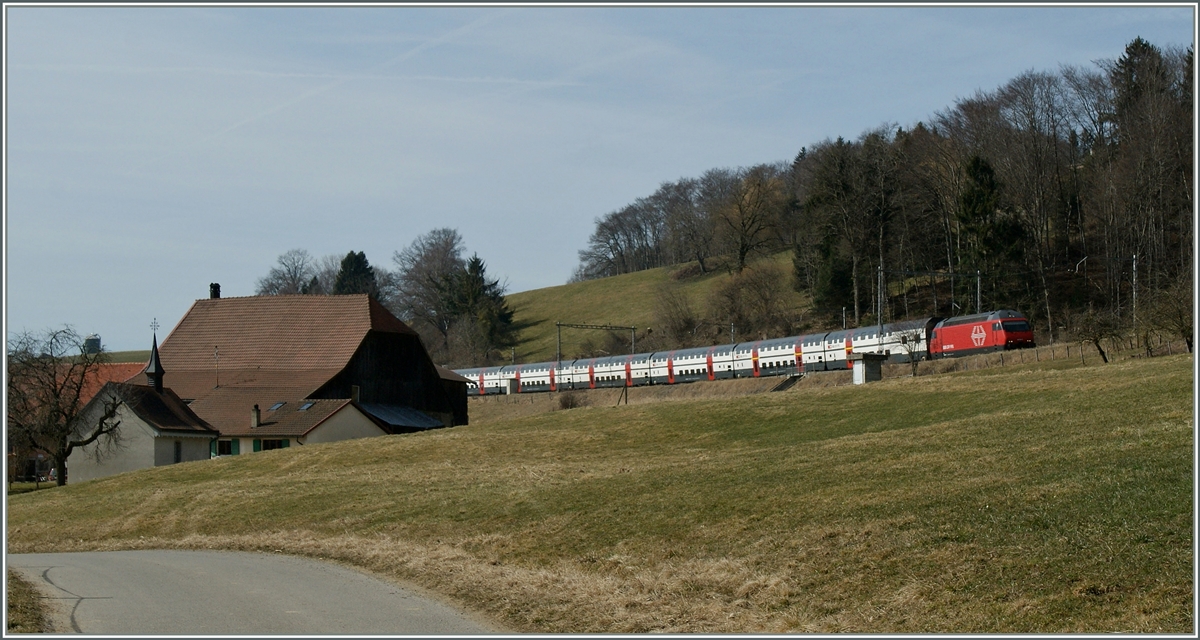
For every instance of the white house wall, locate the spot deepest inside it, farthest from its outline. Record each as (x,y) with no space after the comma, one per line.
(136,452)
(347,424)
(193,448)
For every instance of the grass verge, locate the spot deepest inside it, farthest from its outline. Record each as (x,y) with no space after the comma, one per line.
(26,612)
(1023,499)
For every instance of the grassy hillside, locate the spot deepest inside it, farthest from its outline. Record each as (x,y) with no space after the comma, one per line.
(625,300)
(1044,497)
(129,356)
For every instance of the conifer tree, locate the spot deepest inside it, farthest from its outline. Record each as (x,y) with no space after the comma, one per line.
(356,276)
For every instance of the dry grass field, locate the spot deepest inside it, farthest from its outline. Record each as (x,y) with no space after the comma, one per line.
(1044,497)
(26,613)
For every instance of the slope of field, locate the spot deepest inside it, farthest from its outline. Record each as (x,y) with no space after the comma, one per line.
(129,356)
(626,300)
(1042,497)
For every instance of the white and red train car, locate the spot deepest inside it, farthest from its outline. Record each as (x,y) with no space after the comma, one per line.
(901,341)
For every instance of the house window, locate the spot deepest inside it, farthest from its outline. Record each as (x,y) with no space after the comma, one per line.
(178,452)
(305,407)
(224,447)
(276,406)
(267,445)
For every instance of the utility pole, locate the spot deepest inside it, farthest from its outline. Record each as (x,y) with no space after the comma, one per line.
(1135,289)
(879,311)
(978,292)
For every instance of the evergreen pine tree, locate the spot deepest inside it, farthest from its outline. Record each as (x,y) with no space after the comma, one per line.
(356,276)
(471,295)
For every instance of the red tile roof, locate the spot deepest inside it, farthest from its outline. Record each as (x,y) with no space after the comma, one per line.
(230,408)
(108,372)
(282,332)
(297,341)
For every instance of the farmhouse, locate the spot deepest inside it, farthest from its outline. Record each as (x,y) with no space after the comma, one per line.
(278,371)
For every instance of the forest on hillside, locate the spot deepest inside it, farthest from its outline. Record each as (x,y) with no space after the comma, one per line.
(1067,195)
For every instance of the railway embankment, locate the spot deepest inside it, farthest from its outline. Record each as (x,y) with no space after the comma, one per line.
(1068,354)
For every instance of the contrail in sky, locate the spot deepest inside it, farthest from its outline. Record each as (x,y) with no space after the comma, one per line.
(447,37)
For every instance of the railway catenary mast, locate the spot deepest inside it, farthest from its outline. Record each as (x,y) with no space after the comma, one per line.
(559,325)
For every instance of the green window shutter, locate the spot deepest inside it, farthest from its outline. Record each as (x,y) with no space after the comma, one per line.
(285,443)
(212,448)
(257,444)
(234,446)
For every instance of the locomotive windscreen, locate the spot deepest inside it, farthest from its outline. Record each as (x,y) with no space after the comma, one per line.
(1016,325)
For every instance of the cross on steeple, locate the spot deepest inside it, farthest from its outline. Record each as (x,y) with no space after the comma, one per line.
(154,326)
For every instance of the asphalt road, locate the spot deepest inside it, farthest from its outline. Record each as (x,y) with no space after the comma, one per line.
(218,592)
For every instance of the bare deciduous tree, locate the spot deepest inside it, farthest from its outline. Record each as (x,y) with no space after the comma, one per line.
(1171,309)
(291,274)
(1096,327)
(754,201)
(423,272)
(48,376)
(690,230)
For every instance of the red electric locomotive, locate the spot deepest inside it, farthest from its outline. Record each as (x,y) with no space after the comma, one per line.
(980,333)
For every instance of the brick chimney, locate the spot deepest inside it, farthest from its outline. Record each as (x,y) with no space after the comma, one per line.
(255,417)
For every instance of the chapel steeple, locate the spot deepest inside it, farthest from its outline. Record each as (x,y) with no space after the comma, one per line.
(154,371)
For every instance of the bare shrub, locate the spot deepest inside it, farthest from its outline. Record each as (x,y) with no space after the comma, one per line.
(676,319)
(571,400)
(686,271)
(754,301)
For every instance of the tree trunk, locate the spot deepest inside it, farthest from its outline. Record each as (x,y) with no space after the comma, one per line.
(1046,295)
(60,470)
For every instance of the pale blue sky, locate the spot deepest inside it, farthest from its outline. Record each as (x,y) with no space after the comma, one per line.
(151,151)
